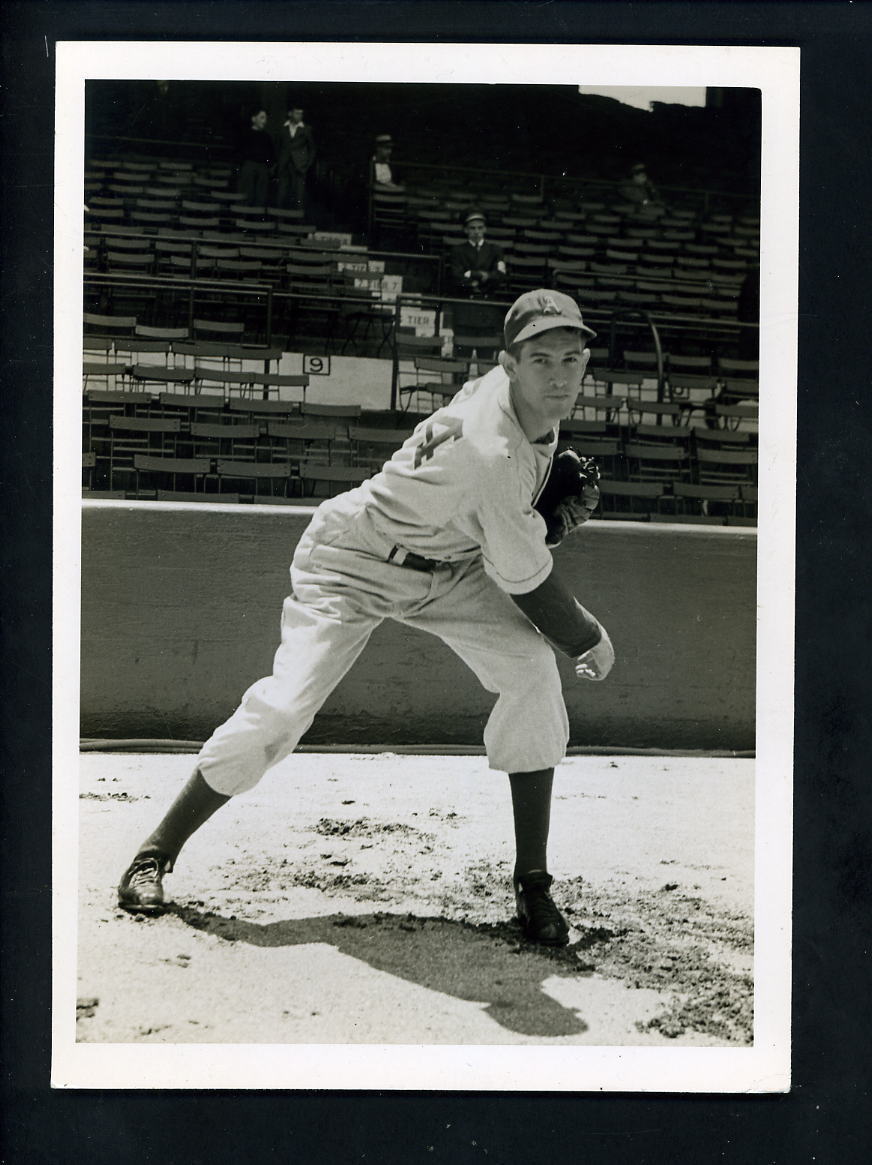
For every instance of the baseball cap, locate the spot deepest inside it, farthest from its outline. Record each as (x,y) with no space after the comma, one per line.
(383,139)
(474,216)
(539,311)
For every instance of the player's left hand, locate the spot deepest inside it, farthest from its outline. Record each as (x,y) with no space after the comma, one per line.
(571,513)
(597,662)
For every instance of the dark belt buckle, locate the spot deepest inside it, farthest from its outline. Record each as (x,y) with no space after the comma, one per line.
(417,562)
(413,561)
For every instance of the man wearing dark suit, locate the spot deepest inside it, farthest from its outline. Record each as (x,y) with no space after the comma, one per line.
(296,155)
(478,271)
(256,156)
(477,267)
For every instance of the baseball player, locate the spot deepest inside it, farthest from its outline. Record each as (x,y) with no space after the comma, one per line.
(445,538)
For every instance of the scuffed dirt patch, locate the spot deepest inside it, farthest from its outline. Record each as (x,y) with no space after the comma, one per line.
(369,900)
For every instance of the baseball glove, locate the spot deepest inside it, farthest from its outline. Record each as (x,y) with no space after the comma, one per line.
(570,495)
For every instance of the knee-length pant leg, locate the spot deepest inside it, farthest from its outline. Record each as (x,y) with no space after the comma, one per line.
(322,636)
(528,728)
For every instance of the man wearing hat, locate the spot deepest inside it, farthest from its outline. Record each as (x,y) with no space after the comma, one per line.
(478,271)
(382,175)
(446,539)
(478,267)
(639,190)
(296,155)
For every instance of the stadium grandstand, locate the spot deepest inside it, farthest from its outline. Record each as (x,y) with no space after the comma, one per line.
(273,354)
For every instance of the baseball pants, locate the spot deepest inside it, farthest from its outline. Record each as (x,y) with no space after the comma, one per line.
(343,588)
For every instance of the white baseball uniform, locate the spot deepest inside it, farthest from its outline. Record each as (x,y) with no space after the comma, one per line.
(460,491)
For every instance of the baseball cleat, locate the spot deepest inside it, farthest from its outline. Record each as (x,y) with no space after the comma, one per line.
(540,919)
(141,888)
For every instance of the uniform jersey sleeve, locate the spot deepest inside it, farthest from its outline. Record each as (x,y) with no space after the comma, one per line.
(512,532)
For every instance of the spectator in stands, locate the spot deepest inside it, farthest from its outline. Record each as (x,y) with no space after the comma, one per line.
(256,152)
(639,190)
(477,267)
(296,155)
(382,175)
(478,271)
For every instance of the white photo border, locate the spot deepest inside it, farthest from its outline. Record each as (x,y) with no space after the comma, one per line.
(765,1067)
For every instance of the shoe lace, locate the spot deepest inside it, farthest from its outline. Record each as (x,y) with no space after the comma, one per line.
(145,872)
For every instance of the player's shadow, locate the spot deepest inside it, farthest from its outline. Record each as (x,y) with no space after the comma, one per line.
(483,964)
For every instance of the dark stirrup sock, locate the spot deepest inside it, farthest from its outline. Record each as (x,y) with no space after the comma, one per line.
(194,805)
(531,808)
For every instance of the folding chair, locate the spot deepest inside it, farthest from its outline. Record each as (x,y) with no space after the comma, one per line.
(332,479)
(156,341)
(98,405)
(372,447)
(202,350)
(98,328)
(153,472)
(691,393)
(212,329)
(272,477)
(225,438)
(633,500)
(363,314)
(656,463)
(133,243)
(313,312)
(205,378)
(290,442)
(643,361)
(666,412)
(524,274)
(189,407)
(107,375)
(726,466)
(269,381)
(661,435)
(734,390)
(482,349)
(718,438)
(409,347)
(603,408)
(340,417)
(731,416)
(568,276)
(145,374)
(435,377)
(131,435)
(627,378)
(695,502)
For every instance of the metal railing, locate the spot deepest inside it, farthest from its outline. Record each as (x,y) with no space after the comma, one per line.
(265,301)
(607,322)
(432,265)
(551,185)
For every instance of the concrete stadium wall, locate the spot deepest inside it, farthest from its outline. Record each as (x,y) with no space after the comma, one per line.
(181,606)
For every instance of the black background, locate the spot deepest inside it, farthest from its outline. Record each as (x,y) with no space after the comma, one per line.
(825,1117)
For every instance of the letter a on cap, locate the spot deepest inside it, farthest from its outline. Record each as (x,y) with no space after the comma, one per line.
(549,307)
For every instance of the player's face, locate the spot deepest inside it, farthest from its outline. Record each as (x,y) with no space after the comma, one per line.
(545,378)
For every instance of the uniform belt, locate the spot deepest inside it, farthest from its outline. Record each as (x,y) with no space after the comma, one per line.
(400,557)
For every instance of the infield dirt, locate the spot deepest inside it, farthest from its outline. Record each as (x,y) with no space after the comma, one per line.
(366,898)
